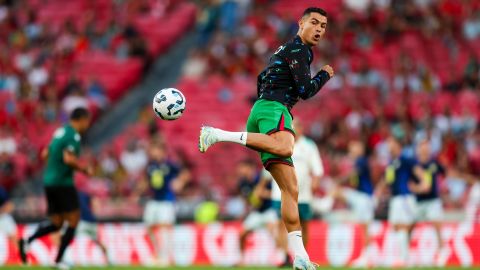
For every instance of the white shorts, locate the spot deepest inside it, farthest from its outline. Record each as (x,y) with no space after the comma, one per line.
(430,210)
(361,204)
(402,210)
(89,229)
(7,225)
(159,213)
(256,220)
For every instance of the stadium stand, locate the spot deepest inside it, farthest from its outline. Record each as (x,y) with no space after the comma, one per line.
(406,67)
(399,78)
(57,55)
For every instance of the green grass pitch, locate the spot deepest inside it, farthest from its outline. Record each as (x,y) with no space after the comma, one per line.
(213,268)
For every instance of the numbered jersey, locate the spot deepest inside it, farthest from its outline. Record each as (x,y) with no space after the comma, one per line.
(432,170)
(160,176)
(57,173)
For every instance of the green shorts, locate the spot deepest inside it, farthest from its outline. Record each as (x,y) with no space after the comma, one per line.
(268,117)
(304,210)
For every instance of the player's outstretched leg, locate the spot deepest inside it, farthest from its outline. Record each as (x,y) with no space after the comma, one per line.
(279,143)
(52,225)
(286,179)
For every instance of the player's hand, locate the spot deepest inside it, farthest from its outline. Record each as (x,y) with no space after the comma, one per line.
(328,69)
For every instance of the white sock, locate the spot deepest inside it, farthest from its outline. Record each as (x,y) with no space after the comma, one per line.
(295,242)
(235,137)
(402,242)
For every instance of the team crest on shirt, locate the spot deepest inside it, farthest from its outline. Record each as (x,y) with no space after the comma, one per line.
(77,137)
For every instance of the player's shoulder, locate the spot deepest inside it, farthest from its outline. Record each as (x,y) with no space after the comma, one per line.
(293,46)
(66,132)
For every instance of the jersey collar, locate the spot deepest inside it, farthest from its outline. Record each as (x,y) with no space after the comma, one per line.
(298,40)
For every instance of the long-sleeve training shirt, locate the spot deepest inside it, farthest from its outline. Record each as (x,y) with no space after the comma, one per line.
(287,77)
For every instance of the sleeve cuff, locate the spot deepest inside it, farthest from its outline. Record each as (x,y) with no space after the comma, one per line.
(324,74)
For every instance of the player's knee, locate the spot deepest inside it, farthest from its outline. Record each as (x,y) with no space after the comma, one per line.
(285,151)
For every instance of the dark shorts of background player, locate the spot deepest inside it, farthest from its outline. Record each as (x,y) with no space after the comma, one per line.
(268,117)
(61,199)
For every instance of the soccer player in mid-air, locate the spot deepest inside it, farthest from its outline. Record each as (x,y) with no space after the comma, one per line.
(285,81)
(62,198)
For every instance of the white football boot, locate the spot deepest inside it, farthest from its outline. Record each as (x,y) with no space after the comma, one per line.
(207,138)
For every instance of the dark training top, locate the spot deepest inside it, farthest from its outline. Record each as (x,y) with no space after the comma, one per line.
(432,171)
(287,77)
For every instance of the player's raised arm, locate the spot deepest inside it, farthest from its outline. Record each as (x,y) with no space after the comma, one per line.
(300,68)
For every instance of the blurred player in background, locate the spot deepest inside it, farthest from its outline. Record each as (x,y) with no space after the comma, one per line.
(285,81)
(8,227)
(309,169)
(88,222)
(256,191)
(402,207)
(62,197)
(359,197)
(165,180)
(472,209)
(429,204)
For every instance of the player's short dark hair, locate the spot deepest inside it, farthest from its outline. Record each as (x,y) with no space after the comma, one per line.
(318,10)
(79,113)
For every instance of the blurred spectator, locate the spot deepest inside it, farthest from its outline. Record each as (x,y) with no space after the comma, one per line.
(471,25)
(51,104)
(37,78)
(109,165)
(134,158)
(8,145)
(76,99)
(96,93)
(195,66)
(9,81)
(472,74)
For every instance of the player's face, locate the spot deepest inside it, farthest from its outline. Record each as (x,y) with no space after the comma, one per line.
(356,149)
(85,124)
(312,27)
(157,153)
(394,147)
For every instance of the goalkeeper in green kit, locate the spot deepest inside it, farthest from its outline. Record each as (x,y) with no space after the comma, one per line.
(286,79)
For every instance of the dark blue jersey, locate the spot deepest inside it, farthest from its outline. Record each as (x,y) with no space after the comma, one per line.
(86,213)
(247,186)
(432,170)
(398,173)
(161,176)
(362,180)
(287,77)
(3,196)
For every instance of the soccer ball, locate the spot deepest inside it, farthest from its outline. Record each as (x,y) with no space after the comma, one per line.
(169,104)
